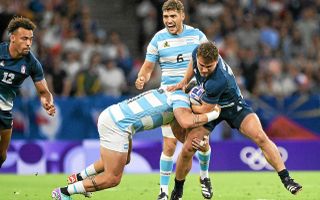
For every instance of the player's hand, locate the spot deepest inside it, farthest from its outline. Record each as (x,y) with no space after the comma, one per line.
(201,145)
(49,107)
(179,86)
(140,82)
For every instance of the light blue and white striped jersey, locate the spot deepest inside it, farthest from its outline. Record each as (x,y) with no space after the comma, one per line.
(148,110)
(173,52)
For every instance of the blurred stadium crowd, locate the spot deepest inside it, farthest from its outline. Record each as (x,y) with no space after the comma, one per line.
(271,45)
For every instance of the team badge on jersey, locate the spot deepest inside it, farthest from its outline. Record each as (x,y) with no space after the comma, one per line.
(2,63)
(23,69)
(166,44)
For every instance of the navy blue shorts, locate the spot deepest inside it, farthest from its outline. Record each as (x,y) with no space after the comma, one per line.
(6,119)
(233,115)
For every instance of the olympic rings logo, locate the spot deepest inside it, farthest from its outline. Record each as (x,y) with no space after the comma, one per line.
(256,160)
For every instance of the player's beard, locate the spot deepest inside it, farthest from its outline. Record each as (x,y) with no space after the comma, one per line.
(25,51)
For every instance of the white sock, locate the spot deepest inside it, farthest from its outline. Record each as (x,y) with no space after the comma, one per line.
(204,174)
(76,188)
(89,171)
(164,188)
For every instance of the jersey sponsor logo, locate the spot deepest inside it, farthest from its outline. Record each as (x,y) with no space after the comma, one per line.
(166,44)
(23,69)
(2,63)
(255,160)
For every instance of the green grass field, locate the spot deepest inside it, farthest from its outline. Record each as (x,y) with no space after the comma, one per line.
(227,186)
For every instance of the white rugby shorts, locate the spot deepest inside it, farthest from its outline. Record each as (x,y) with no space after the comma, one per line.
(111,137)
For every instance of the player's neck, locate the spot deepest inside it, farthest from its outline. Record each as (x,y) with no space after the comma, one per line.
(181,29)
(13,52)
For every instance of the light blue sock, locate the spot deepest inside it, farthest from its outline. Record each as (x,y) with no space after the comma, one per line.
(204,160)
(166,165)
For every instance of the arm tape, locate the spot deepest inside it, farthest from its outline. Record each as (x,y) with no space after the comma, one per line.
(212,115)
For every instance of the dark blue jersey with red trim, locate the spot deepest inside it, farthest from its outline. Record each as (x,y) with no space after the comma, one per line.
(13,72)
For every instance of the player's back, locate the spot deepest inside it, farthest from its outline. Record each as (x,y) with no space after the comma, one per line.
(145,111)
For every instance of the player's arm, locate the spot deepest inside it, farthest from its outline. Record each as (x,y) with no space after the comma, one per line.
(204,107)
(45,96)
(144,74)
(186,79)
(187,119)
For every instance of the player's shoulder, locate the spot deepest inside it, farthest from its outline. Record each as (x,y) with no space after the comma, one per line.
(217,79)
(32,57)
(192,29)
(161,33)
(32,60)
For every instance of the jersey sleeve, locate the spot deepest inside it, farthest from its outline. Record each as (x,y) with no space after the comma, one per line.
(180,100)
(152,54)
(213,91)
(37,71)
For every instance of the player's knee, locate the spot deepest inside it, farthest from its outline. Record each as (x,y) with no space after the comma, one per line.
(261,139)
(169,147)
(109,181)
(187,151)
(115,180)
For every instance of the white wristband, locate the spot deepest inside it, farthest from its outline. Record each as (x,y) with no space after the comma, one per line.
(212,115)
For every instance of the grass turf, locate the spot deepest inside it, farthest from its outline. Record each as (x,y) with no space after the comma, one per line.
(227,186)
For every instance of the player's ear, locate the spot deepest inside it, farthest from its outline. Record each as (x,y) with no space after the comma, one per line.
(12,37)
(183,16)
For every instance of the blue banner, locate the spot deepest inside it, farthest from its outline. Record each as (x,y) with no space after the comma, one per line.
(294,117)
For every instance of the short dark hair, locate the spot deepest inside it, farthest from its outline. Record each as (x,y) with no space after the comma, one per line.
(173,5)
(20,22)
(208,51)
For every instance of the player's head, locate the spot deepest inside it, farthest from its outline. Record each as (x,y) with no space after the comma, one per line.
(207,58)
(21,34)
(173,16)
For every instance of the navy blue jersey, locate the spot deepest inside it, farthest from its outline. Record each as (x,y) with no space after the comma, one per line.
(220,87)
(13,72)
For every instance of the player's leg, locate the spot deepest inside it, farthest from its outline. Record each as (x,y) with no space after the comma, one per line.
(5,138)
(184,162)
(91,170)
(203,156)
(205,181)
(114,154)
(113,162)
(94,168)
(251,127)
(166,160)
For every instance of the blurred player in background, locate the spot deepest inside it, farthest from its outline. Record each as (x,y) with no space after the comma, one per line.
(220,88)
(17,63)
(116,126)
(172,47)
